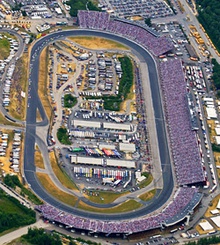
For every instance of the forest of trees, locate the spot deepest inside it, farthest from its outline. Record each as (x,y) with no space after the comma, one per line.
(81,5)
(13,214)
(13,181)
(209,12)
(216,74)
(206,241)
(40,237)
(63,136)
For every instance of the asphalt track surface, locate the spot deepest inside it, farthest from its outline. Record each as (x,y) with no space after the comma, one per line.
(34,103)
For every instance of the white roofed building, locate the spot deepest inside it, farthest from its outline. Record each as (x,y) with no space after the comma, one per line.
(86,160)
(127,147)
(117,126)
(120,163)
(206,226)
(211,113)
(86,124)
(217,131)
(58,10)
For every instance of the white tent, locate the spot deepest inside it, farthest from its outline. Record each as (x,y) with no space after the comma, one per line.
(206,226)
(216,220)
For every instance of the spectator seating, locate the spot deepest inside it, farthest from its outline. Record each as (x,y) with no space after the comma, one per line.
(181,199)
(183,140)
(101,21)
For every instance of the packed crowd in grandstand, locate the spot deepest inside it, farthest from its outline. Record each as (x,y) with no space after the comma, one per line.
(183,140)
(181,199)
(101,21)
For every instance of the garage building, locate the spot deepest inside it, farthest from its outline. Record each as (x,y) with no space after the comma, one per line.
(126,147)
(86,124)
(120,163)
(117,126)
(86,160)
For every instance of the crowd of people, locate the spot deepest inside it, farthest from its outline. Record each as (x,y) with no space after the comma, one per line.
(183,140)
(101,21)
(176,207)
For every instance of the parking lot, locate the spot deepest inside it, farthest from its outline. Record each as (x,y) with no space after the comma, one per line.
(145,9)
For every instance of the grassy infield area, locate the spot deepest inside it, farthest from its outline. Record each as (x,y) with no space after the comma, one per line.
(104,197)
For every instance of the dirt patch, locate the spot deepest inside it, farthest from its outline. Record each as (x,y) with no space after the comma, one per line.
(98,43)
(19,84)
(38,159)
(5,163)
(42,83)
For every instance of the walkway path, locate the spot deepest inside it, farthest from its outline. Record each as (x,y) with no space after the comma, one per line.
(18,233)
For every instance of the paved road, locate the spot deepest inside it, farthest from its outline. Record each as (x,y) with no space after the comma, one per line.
(20,232)
(34,103)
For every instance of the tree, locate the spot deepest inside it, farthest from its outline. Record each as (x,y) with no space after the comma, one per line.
(69,101)
(81,5)
(72,243)
(40,237)
(148,22)
(62,136)
(24,13)
(12,181)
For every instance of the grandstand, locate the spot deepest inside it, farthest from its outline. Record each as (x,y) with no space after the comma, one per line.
(185,200)
(101,21)
(184,144)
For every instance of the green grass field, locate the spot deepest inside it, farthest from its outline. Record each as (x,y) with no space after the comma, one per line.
(104,197)
(127,206)
(148,195)
(5,48)
(13,214)
(60,174)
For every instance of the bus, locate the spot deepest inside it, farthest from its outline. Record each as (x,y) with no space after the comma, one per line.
(174,230)
(162,56)
(156,236)
(193,58)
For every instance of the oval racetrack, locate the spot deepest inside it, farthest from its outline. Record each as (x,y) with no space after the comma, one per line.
(34,103)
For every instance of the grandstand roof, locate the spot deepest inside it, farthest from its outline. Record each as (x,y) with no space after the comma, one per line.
(86,124)
(117,126)
(120,163)
(186,211)
(127,147)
